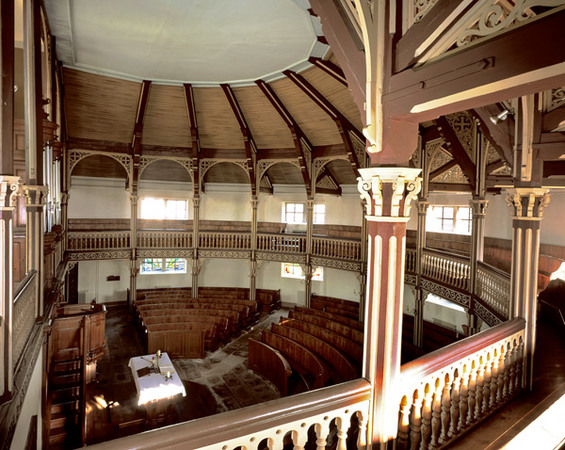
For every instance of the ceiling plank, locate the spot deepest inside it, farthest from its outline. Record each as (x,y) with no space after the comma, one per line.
(505,66)
(343,125)
(423,34)
(249,142)
(330,68)
(138,132)
(499,135)
(298,135)
(454,147)
(74,143)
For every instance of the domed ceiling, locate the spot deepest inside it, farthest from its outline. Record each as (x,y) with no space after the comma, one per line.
(254,80)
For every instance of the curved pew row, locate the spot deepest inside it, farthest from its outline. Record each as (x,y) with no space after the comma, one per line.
(350,349)
(270,363)
(331,316)
(304,362)
(335,305)
(231,316)
(352,334)
(338,366)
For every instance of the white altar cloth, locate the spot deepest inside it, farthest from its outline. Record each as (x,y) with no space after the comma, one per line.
(155,386)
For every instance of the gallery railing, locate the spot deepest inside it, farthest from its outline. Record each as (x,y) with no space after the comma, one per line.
(452,389)
(224,240)
(24,314)
(493,288)
(164,239)
(98,240)
(446,268)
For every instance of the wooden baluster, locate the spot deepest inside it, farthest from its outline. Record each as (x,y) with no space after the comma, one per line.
(479,383)
(463,400)
(455,405)
(472,396)
(342,426)
(507,370)
(300,437)
(519,365)
(493,381)
(487,385)
(500,378)
(403,425)
(445,410)
(436,415)
(416,422)
(362,433)
(322,431)
(426,418)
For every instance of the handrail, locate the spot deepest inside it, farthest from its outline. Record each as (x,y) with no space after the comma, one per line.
(271,420)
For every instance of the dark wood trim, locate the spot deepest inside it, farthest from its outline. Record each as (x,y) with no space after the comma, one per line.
(249,142)
(452,187)
(503,57)
(552,168)
(297,134)
(442,169)
(553,119)
(98,145)
(441,13)
(454,147)
(495,165)
(330,68)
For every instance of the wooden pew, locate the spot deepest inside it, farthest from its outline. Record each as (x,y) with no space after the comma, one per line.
(302,360)
(268,300)
(222,323)
(330,316)
(350,349)
(350,333)
(232,316)
(269,362)
(238,313)
(178,339)
(335,305)
(338,365)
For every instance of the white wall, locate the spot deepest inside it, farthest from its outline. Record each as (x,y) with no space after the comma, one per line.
(92,282)
(98,198)
(552,224)
(224,272)
(226,202)
(30,407)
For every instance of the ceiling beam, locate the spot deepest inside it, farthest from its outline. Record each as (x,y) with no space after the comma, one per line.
(495,165)
(250,147)
(138,132)
(344,126)
(450,187)
(554,120)
(194,136)
(454,147)
(330,68)
(298,135)
(505,66)
(499,135)
(423,34)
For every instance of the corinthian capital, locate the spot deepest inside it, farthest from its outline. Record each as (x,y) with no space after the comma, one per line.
(35,195)
(527,203)
(388,192)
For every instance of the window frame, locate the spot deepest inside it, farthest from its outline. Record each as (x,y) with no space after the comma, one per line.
(165,208)
(163,262)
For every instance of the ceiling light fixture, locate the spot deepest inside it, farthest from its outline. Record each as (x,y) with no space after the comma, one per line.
(502,115)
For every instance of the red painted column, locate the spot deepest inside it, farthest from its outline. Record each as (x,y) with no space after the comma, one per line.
(388,193)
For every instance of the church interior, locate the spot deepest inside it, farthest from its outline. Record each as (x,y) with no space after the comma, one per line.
(282,224)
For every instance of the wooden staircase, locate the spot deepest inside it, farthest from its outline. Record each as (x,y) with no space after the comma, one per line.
(65,382)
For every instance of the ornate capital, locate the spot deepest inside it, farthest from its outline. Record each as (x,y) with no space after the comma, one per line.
(9,188)
(35,196)
(422,207)
(527,203)
(254,202)
(478,206)
(388,192)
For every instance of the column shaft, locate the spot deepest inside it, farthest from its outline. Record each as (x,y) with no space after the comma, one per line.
(195,244)
(418,336)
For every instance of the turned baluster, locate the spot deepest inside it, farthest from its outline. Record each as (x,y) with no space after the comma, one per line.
(479,391)
(362,434)
(416,422)
(510,370)
(426,418)
(493,381)
(500,379)
(403,425)
(454,410)
(341,433)
(463,400)
(445,410)
(322,431)
(519,365)
(436,416)
(299,437)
